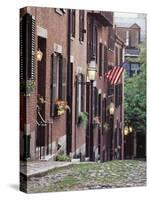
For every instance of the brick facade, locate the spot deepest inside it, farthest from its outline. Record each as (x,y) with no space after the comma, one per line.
(66,34)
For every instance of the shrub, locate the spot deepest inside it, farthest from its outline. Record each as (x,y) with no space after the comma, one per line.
(63,158)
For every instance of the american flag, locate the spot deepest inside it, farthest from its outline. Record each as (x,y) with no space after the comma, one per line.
(115,73)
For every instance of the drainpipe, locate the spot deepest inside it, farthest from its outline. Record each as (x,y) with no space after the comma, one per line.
(68,146)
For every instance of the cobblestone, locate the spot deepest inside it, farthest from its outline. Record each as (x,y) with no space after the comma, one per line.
(112,174)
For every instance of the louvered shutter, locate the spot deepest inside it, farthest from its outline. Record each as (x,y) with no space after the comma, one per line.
(100,59)
(77,99)
(27,48)
(53,83)
(94,42)
(60,75)
(81,25)
(105,59)
(89,41)
(64,79)
(120,56)
(73,22)
(116,55)
(95,101)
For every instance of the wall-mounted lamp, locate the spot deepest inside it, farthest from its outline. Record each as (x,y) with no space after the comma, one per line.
(126,130)
(39,55)
(111,108)
(91,70)
(130,129)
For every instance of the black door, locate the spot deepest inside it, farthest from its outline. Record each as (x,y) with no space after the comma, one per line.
(41,74)
(69,114)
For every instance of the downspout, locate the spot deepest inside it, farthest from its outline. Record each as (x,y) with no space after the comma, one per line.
(68,68)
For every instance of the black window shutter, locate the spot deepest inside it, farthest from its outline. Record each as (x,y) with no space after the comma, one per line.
(94,42)
(81,25)
(64,79)
(33,51)
(100,59)
(73,22)
(95,101)
(27,48)
(116,55)
(105,59)
(82,93)
(77,99)
(89,40)
(60,75)
(120,56)
(99,104)
(53,83)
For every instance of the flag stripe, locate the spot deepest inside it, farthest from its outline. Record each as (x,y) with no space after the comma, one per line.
(119,75)
(114,75)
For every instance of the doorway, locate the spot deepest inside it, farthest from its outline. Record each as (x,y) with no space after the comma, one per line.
(41,136)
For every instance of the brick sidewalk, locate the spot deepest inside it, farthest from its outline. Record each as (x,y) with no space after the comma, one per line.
(33,168)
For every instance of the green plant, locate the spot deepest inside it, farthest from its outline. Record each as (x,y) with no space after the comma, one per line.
(63,157)
(83,118)
(61,107)
(26,87)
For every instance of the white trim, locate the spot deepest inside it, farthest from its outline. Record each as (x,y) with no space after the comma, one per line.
(42,32)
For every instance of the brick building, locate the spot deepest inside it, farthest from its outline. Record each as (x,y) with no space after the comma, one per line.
(68,40)
(131,37)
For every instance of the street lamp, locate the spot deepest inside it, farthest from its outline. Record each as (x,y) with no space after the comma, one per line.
(111,112)
(91,72)
(39,55)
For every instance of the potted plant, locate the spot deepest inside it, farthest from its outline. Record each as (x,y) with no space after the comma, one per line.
(26,87)
(61,107)
(83,118)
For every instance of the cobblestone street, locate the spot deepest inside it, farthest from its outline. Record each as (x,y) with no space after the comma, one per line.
(84,176)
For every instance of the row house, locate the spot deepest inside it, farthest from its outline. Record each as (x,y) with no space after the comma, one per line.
(61,109)
(132,39)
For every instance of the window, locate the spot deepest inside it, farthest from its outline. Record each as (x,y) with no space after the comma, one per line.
(60,11)
(81,25)
(73,22)
(135,68)
(111,38)
(91,41)
(58,80)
